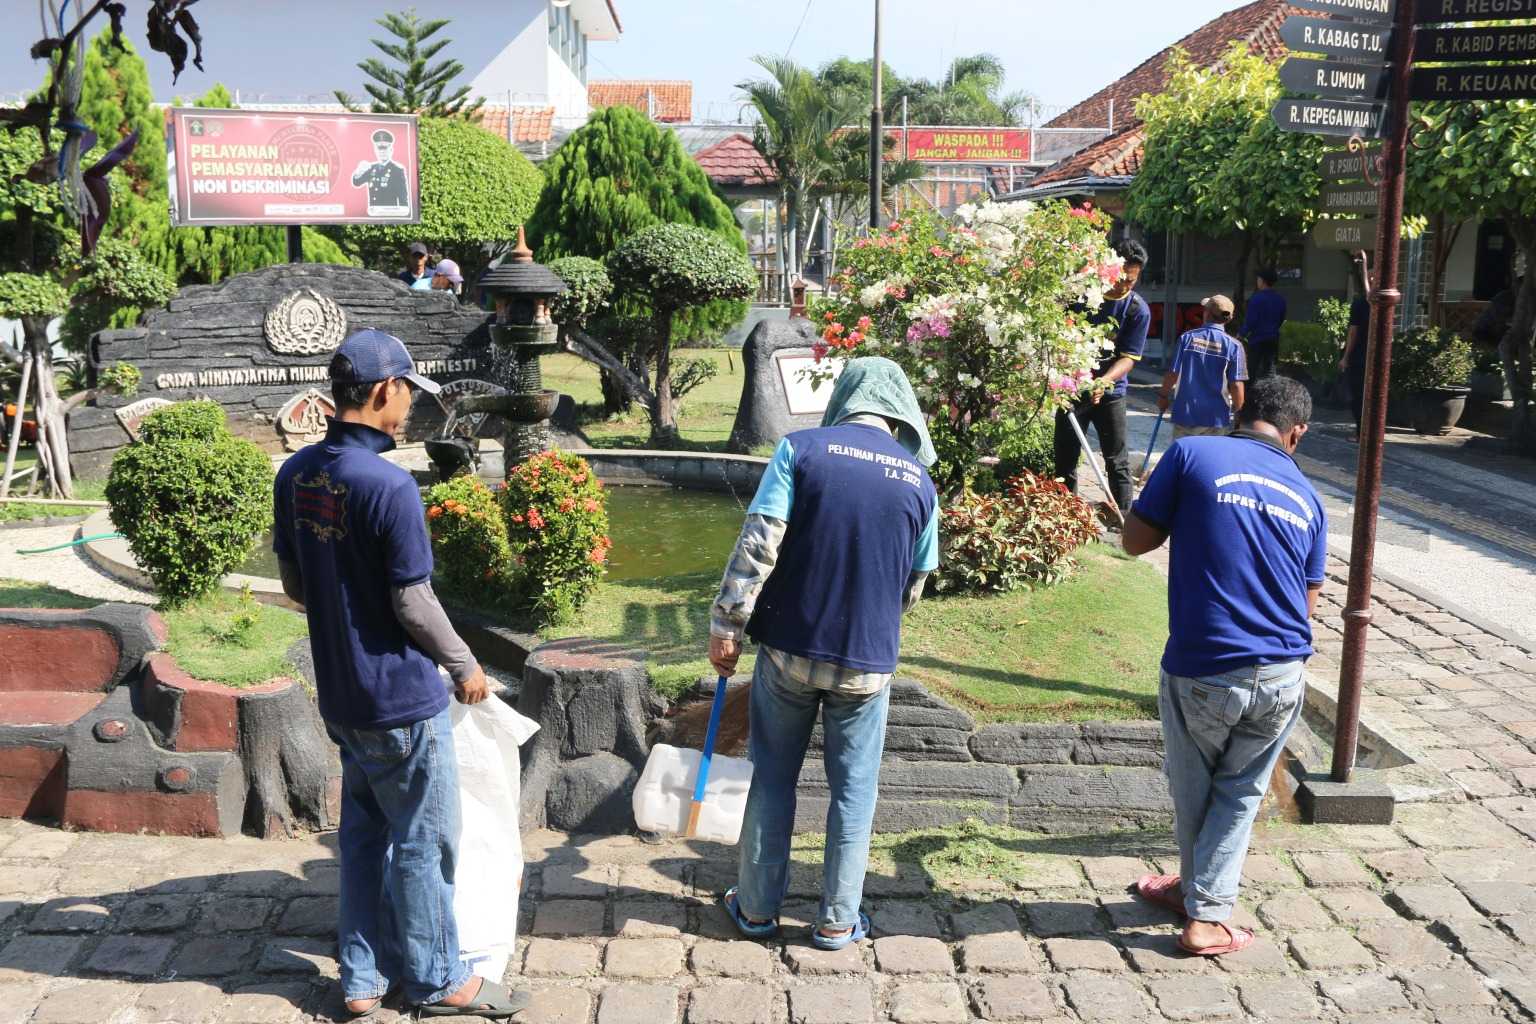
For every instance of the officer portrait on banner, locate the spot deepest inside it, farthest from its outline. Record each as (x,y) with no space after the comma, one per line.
(388,192)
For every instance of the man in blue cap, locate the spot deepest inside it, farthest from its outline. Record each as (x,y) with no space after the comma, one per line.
(837,545)
(353,550)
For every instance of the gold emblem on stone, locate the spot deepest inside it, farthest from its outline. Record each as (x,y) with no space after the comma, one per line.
(305,323)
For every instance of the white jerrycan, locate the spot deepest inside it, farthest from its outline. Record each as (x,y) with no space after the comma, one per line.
(693,793)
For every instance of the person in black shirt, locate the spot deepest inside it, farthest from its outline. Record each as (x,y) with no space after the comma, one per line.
(1105,410)
(1357,344)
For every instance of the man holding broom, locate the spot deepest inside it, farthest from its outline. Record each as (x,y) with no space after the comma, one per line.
(837,544)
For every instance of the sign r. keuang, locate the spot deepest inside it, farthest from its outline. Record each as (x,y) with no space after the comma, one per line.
(277,167)
(968,145)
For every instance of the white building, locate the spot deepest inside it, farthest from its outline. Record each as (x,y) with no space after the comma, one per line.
(545,63)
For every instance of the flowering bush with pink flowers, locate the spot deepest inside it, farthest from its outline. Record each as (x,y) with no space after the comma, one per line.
(556,513)
(986,313)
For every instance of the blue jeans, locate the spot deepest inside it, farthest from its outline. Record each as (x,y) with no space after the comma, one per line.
(782,718)
(1223,736)
(399,836)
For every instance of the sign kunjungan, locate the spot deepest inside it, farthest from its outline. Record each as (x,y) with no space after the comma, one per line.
(1379,11)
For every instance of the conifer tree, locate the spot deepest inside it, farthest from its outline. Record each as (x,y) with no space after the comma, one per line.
(415,85)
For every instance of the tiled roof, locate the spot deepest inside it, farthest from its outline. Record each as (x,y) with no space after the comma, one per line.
(529,124)
(670,101)
(735,162)
(1119,155)
(1257,24)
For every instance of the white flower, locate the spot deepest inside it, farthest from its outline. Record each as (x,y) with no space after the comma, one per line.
(872,297)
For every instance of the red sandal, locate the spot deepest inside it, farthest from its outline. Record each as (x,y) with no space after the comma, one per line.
(1165,891)
(1240,939)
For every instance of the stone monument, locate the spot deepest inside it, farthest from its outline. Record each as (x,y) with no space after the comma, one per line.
(776,399)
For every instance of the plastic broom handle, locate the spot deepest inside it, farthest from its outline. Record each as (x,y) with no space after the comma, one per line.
(1153,446)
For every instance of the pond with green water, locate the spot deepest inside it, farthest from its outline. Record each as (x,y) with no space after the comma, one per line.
(657,531)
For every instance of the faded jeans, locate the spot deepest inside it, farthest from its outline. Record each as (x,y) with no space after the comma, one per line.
(783,715)
(399,835)
(1223,736)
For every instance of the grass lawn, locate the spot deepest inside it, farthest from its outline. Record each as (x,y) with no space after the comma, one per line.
(222,638)
(1086,649)
(85,490)
(705,416)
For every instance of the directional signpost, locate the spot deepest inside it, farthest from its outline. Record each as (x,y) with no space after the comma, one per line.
(1440,12)
(1350,199)
(1517,42)
(1348,165)
(1374,11)
(1345,235)
(1475,82)
(1331,117)
(1332,79)
(1337,38)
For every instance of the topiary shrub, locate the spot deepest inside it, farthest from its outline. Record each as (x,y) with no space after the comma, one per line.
(1024,535)
(28,295)
(190,497)
(678,265)
(588,288)
(469,544)
(556,515)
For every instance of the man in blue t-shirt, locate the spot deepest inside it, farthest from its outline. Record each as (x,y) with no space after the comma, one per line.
(1249,541)
(1262,323)
(1204,386)
(1104,410)
(353,550)
(838,542)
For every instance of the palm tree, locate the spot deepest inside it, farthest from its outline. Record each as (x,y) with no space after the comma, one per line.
(845,190)
(800,122)
(971,93)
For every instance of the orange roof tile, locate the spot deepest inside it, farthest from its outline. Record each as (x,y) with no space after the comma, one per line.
(670,101)
(735,162)
(529,124)
(1257,24)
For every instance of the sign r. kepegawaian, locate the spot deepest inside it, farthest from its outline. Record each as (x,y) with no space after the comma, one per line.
(1330,78)
(1513,42)
(1348,235)
(1475,82)
(1335,38)
(1342,165)
(1330,117)
(1378,11)
(1430,12)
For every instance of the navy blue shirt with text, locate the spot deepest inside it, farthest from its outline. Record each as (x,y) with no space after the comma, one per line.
(1132,318)
(861,517)
(353,524)
(1248,536)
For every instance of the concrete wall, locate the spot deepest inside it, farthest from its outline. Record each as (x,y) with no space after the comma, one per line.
(522,67)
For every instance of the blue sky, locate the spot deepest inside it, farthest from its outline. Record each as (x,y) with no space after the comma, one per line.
(1058,50)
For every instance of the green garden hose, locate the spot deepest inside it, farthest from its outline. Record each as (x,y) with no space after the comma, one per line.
(70,544)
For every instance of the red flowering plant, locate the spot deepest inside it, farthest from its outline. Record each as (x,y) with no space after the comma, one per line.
(474,559)
(986,314)
(556,516)
(1021,536)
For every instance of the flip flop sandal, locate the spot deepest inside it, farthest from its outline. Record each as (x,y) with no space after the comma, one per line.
(1165,891)
(1241,939)
(372,1011)
(859,932)
(763,930)
(494,1001)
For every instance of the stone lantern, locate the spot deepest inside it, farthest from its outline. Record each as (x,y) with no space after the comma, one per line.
(523,332)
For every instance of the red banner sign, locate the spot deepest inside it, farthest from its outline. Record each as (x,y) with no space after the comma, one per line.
(969,145)
(279,167)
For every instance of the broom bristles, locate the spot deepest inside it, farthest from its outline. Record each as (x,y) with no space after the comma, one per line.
(688,725)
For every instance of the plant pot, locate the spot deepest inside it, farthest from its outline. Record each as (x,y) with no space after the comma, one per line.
(1489,386)
(1437,410)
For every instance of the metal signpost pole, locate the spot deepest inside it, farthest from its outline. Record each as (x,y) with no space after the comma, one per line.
(876,130)
(295,244)
(1362,554)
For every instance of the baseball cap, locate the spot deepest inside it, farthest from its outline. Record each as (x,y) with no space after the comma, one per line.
(417,249)
(1219,305)
(448,269)
(376,355)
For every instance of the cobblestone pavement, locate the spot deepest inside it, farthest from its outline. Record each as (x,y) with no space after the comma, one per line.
(1431,919)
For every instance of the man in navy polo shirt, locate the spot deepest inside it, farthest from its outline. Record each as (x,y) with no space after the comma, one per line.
(1249,539)
(1205,384)
(1105,410)
(838,542)
(353,550)
(1262,324)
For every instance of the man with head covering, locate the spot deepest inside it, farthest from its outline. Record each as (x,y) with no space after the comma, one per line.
(446,276)
(415,275)
(837,544)
(384,179)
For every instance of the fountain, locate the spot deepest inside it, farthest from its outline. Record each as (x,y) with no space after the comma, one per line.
(522,333)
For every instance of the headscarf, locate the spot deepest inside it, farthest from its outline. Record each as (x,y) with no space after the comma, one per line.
(874,385)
